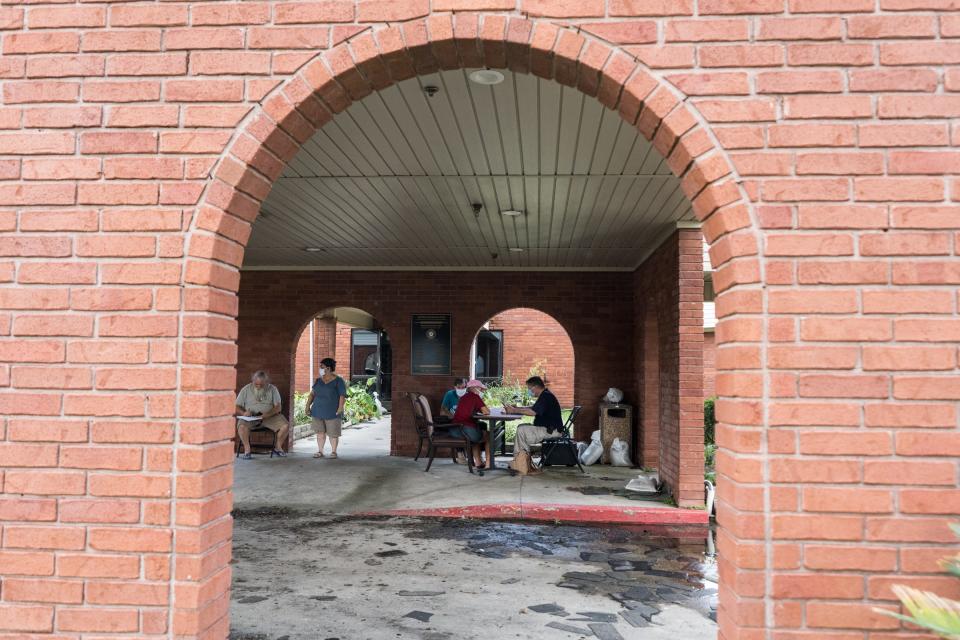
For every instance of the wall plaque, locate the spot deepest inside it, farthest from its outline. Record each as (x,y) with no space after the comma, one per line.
(430,344)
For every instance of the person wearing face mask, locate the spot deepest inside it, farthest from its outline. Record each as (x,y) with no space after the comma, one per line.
(548,419)
(325,404)
(470,404)
(451,399)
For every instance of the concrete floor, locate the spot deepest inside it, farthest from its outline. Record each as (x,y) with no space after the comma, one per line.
(365,479)
(300,576)
(312,561)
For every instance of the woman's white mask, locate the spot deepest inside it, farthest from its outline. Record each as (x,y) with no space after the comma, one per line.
(461,392)
(323,372)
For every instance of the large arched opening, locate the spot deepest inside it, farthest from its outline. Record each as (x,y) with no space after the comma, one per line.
(272,138)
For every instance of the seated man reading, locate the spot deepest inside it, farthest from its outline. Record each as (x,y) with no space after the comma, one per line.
(261,399)
(547,422)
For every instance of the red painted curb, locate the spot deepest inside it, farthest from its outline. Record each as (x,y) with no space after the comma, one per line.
(569,513)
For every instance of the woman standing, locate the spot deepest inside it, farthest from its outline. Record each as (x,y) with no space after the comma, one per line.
(325,404)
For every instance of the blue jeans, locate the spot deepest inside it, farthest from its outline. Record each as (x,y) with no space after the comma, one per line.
(473,434)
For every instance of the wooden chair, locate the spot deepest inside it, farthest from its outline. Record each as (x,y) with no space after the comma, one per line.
(561,449)
(423,434)
(437,436)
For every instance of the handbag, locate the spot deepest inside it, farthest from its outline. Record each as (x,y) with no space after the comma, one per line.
(558,452)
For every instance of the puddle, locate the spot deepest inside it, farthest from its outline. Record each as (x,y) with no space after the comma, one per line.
(630,565)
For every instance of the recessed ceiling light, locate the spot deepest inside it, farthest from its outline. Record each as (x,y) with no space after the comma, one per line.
(516,249)
(513,213)
(486,76)
(313,249)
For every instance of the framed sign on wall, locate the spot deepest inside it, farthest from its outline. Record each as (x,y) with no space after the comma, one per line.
(430,344)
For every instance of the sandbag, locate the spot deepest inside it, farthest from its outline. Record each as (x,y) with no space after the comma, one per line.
(619,453)
(593,452)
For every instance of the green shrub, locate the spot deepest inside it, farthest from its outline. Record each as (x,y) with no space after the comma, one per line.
(300,414)
(709,420)
(507,393)
(360,405)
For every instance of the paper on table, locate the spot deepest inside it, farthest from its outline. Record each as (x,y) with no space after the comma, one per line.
(250,418)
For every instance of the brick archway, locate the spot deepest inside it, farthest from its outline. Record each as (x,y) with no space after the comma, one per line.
(271,135)
(535,329)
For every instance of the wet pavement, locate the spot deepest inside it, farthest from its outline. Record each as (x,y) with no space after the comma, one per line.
(301,574)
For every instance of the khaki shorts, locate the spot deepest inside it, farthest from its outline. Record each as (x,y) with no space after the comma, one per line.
(274,423)
(330,427)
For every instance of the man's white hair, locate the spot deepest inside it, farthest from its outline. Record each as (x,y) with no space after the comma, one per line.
(260,374)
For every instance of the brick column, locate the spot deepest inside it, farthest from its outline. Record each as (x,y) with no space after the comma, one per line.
(689,442)
(669,297)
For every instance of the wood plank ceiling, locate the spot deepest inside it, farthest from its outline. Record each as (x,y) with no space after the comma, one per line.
(390,183)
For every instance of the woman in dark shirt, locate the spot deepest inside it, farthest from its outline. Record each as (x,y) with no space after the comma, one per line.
(469,404)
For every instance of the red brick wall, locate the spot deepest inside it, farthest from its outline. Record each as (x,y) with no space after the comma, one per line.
(342,349)
(646,444)
(530,337)
(709,365)
(816,140)
(324,345)
(301,365)
(670,285)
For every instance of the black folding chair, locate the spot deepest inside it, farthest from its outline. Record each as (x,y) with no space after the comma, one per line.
(561,451)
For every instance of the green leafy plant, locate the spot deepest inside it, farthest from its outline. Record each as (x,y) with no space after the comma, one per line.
(360,405)
(709,462)
(709,439)
(300,414)
(709,420)
(506,393)
(929,610)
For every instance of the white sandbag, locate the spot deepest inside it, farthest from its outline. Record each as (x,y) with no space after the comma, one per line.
(645,484)
(619,453)
(593,452)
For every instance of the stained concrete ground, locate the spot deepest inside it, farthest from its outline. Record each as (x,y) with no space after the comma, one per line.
(308,565)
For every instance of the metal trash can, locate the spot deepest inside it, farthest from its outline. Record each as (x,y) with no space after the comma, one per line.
(616,421)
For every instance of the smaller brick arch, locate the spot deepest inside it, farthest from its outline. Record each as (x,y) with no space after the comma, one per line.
(297,336)
(528,343)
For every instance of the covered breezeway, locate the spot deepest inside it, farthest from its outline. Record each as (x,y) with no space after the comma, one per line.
(446,194)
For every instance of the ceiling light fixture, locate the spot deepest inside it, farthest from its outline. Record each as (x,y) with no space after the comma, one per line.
(313,249)
(486,76)
(431,90)
(513,213)
(516,249)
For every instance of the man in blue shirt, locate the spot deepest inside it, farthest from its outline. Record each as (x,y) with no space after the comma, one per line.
(325,404)
(452,397)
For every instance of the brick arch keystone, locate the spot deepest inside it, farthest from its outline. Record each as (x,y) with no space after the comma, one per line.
(270,137)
